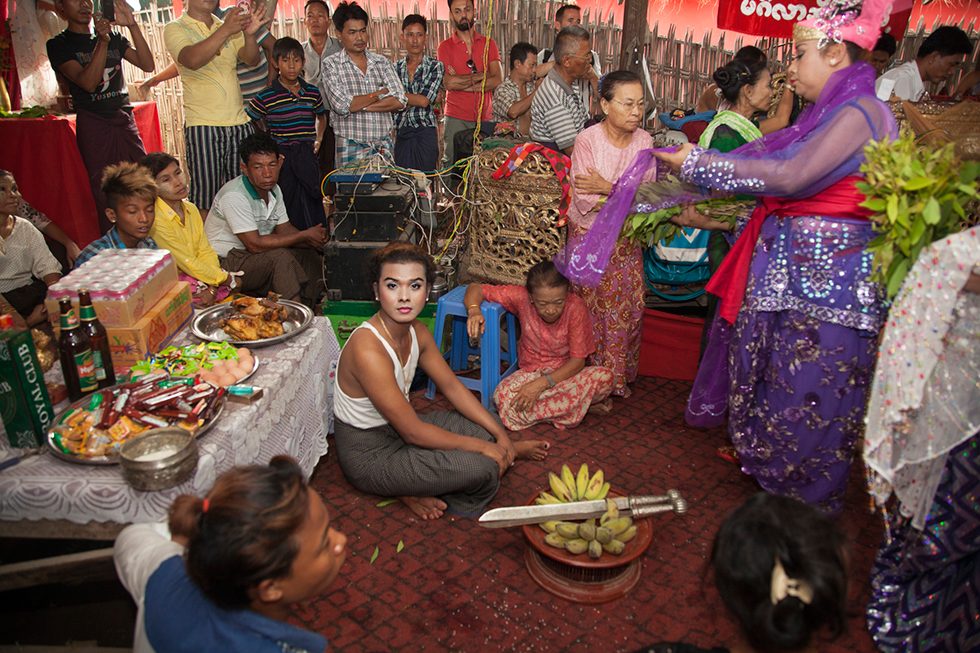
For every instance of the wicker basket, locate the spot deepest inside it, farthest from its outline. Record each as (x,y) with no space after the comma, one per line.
(512,220)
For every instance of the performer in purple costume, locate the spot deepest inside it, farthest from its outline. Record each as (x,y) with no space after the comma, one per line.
(799,350)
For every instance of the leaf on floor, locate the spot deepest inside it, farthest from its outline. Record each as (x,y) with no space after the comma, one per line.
(386,502)
(374,556)
(401,545)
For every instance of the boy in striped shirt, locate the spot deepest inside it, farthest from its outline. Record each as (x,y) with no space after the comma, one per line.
(293,114)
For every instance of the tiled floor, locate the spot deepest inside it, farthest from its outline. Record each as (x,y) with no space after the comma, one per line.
(456,586)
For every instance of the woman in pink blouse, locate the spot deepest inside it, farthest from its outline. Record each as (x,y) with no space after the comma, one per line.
(553,383)
(602,153)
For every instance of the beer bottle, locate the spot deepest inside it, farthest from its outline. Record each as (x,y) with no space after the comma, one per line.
(77,363)
(99,339)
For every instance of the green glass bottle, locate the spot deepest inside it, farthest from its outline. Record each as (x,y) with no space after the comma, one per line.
(77,362)
(99,340)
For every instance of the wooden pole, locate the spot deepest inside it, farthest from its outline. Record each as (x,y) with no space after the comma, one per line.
(634,35)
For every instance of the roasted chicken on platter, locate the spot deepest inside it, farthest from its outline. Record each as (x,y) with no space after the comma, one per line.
(255,319)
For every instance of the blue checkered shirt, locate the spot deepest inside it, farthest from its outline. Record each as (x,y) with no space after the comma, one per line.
(110,241)
(427,82)
(342,80)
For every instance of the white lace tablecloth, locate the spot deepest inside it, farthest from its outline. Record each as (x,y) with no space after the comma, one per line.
(293,417)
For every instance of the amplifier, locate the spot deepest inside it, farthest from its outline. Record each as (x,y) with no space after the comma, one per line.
(346,265)
(368,225)
(383,198)
(358,176)
(356,189)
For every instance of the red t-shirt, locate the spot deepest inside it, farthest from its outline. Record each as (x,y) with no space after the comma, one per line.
(542,345)
(452,53)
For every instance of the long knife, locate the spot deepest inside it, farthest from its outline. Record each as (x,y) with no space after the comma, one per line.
(633,506)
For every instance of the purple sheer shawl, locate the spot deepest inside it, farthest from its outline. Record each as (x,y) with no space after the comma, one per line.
(584,258)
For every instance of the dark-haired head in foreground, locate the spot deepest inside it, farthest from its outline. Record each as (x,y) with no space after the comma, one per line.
(779,566)
(262,541)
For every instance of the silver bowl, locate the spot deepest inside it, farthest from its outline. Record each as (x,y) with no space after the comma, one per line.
(206,324)
(159,459)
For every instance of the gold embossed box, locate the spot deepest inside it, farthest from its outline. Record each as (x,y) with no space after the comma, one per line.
(513,221)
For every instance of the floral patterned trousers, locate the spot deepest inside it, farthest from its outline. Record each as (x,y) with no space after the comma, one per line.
(564,405)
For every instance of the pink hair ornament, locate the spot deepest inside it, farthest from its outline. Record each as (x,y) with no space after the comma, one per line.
(849,20)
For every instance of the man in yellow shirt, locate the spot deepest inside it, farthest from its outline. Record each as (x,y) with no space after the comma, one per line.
(207,51)
(178,227)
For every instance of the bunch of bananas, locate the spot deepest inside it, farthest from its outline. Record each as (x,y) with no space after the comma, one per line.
(609,535)
(569,487)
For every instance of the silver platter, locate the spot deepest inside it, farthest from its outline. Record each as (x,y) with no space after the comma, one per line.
(206,325)
(112,459)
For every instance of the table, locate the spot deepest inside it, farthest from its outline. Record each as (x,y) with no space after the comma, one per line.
(44,496)
(43,155)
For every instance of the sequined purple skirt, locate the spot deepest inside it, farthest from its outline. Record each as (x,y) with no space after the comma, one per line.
(926,584)
(793,373)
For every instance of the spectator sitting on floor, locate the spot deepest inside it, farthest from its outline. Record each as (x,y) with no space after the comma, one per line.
(558,114)
(363,90)
(91,66)
(881,54)
(780,568)
(473,71)
(178,227)
(292,112)
(935,60)
(512,99)
(234,565)
(250,231)
(44,224)
(416,143)
(27,267)
(444,460)
(131,195)
(553,383)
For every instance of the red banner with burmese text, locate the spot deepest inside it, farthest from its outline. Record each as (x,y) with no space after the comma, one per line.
(776,19)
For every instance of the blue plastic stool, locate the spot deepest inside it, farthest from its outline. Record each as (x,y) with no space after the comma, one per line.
(491,353)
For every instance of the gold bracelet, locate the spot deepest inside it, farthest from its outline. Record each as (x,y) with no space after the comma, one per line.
(476,306)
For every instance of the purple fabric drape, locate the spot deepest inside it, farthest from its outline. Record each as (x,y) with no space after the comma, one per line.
(584,259)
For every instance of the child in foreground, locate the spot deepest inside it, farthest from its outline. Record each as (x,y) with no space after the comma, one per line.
(261,541)
(131,195)
(553,383)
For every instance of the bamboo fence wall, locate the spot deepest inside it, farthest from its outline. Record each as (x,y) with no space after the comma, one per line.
(679,66)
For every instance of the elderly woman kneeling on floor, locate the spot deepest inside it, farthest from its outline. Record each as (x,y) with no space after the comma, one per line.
(553,383)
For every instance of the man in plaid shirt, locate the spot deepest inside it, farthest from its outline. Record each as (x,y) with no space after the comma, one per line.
(417,145)
(363,89)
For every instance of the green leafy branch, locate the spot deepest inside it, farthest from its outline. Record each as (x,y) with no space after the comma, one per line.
(918,195)
(649,228)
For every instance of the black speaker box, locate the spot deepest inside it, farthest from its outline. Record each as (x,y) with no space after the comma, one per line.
(346,265)
(368,226)
(383,199)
